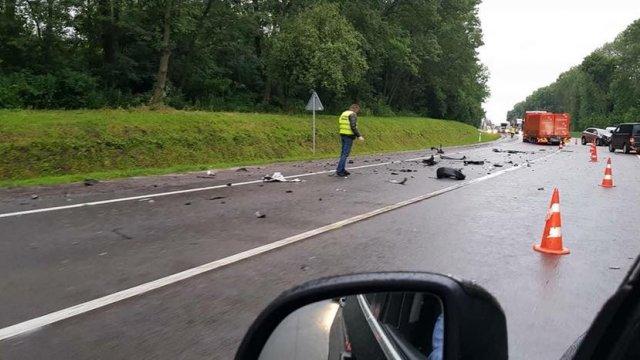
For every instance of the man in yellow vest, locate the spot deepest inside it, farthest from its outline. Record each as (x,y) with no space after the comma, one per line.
(348,132)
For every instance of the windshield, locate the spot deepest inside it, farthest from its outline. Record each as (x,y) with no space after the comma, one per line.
(168,168)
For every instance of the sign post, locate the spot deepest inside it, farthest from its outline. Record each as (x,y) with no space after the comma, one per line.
(314,105)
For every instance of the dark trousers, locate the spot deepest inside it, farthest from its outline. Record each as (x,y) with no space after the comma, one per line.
(347,142)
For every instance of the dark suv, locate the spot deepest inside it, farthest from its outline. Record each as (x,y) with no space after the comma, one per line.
(625,137)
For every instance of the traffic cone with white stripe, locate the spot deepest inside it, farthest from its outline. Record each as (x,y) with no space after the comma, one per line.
(594,153)
(607,182)
(552,236)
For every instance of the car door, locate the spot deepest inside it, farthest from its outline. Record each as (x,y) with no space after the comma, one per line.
(615,332)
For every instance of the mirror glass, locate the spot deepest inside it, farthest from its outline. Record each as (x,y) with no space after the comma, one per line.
(390,325)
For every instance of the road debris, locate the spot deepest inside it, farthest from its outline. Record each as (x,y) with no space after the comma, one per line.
(498,165)
(188,203)
(34,196)
(540,188)
(289,191)
(473,162)
(242,169)
(229,184)
(399,182)
(449,173)
(430,161)
(444,157)
(438,150)
(278,177)
(614,267)
(394,173)
(350,162)
(217,197)
(90,182)
(407,170)
(260,215)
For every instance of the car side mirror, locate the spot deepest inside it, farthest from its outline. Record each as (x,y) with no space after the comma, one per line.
(393,315)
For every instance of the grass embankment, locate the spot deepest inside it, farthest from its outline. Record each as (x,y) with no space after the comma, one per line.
(49,147)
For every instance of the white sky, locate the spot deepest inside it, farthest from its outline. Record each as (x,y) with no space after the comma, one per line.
(517,31)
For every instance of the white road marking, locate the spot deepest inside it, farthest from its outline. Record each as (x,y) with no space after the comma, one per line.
(185,191)
(36,323)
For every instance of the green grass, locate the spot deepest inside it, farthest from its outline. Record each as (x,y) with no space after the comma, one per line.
(576,134)
(52,147)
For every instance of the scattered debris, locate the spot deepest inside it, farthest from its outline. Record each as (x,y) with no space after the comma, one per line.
(430,161)
(540,188)
(350,162)
(228,184)
(438,150)
(365,161)
(517,152)
(217,197)
(444,157)
(241,169)
(90,182)
(542,149)
(394,173)
(510,162)
(304,267)
(473,162)
(260,215)
(289,191)
(614,267)
(121,234)
(399,182)
(278,177)
(447,172)
(407,170)
(103,254)
(497,150)
(188,203)
(223,202)
(498,165)
(319,199)
(155,185)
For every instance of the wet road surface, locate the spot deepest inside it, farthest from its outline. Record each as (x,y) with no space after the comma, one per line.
(484,231)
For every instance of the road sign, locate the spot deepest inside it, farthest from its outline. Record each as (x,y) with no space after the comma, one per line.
(314,105)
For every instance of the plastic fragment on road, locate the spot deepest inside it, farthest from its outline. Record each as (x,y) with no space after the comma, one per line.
(260,215)
(90,182)
(430,161)
(444,157)
(399,182)
(278,177)
(449,173)
(438,150)
(473,162)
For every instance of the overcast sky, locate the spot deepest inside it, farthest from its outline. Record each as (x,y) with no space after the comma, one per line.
(528,43)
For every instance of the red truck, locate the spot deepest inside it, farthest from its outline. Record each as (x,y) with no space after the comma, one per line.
(541,127)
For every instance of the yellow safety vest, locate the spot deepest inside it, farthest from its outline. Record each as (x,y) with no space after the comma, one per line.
(343,122)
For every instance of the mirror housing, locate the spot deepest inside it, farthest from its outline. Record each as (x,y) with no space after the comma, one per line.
(475,323)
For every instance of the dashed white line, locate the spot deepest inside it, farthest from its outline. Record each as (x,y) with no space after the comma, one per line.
(36,323)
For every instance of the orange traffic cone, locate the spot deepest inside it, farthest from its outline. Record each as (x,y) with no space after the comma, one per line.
(552,236)
(607,182)
(594,153)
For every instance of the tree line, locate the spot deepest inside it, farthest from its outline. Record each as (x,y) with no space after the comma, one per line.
(415,57)
(603,90)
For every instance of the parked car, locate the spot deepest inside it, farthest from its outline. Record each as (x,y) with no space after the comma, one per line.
(600,136)
(625,137)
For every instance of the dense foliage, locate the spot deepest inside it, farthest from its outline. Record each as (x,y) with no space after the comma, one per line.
(604,90)
(392,56)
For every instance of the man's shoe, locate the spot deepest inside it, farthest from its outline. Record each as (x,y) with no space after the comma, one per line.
(342,174)
(346,172)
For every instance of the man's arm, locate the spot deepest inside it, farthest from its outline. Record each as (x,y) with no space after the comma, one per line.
(353,122)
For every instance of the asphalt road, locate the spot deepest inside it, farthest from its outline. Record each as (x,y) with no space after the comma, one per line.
(484,231)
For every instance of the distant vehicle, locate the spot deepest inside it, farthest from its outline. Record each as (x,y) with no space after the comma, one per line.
(503,127)
(600,136)
(626,137)
(541,127)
